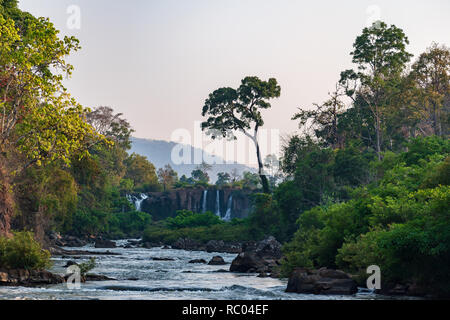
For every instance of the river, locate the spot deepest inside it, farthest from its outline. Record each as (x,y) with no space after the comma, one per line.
(163,280)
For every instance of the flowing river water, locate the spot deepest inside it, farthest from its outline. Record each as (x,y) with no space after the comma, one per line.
(138,276)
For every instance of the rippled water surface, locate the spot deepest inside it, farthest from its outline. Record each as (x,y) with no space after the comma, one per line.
(161,280)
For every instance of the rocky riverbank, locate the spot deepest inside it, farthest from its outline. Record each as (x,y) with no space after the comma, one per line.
(26,278)
(262,258)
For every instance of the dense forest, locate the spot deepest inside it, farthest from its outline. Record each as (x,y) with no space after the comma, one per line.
(364,182)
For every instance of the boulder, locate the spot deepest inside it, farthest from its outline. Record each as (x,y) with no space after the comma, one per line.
(217,261)
(258,257)
(70,263)
(323,281)
(102,243)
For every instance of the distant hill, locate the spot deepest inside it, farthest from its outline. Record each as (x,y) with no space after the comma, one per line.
(159,153)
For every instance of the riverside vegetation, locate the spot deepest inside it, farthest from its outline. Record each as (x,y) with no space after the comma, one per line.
(366,182)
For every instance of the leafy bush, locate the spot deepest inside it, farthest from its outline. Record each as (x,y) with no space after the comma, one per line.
(129,223)
(85,267)
(417,250)
(23,252)
(189,219)
(236,230)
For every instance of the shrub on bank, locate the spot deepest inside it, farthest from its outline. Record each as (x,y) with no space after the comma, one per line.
(23,252)
(237,230)
(188,219)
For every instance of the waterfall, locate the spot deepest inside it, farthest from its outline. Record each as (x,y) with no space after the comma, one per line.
(205,193)
(218,204)
(229,205)
(137,201)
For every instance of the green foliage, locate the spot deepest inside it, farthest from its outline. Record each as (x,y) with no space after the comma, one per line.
(142,173)
(23,252)
(200,176)
(189,219)
(423,147)
(223,178)
(236,230)
(39,118)
(85,267)
(400,223)
(128,224)
(417,250)
(167,177)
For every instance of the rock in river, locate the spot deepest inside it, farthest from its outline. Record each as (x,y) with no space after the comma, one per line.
(322,281)
(22,277)
(260,257)
(198,261)
(101,243)
(217,261)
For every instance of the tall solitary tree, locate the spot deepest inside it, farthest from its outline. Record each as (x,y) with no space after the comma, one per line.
(380,54)
(230,110)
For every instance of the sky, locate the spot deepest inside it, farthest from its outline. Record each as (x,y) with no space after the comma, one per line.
(156,61)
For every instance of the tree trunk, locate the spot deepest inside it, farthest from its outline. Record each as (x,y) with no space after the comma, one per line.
(6,202)
(377,130)
(264,181)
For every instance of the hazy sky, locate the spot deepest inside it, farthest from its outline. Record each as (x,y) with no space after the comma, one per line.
(157,61)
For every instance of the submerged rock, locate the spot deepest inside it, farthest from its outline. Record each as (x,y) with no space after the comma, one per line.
(97,277)
(322,281)
(217,261)
(90,277)
(198,261)
(162,259)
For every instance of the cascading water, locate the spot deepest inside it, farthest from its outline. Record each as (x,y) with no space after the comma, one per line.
(137,201)
(218,204)
(205,194)
(229,205)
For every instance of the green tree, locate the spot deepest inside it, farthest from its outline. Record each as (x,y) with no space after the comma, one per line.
(200,174)
(381,56)
(230,110)
(38,116)
(167,177)
(323,119)
(142,172)
(431,73)
(223,178)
